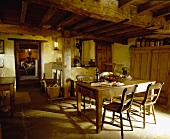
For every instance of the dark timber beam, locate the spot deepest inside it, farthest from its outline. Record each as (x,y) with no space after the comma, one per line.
(86,23)
(122,30)
(51,11)
(113,27)
(100,25)
(123,2)
(136,31)
(59,24)
(16,29)
(163,12)
(167,17)
(115,39)
(149,5)
(23,11)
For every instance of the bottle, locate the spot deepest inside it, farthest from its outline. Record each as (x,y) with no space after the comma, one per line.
(97,75)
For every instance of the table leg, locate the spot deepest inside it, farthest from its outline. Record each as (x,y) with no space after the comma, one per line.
(12,99)
(78,96)
(99,103)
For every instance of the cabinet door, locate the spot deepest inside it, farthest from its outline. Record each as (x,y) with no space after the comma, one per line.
(160,69)
(140,63)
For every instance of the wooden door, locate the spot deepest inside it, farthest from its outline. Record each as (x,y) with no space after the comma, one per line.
(103,56)
(160,71)
(140,63)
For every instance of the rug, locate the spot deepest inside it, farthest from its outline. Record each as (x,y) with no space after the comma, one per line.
(20,98)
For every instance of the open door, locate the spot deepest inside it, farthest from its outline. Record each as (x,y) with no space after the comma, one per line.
(103,56)
(27,62)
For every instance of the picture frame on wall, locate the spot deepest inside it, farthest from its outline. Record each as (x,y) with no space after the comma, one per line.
(1,46)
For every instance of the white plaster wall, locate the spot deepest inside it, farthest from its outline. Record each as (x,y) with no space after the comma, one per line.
(120,56)
(47,52)
(88,51)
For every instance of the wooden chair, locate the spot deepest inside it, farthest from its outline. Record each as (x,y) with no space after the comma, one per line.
(149,99)
(84,78)
(124,105)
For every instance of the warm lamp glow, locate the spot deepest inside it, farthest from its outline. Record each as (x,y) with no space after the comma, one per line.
(55,45)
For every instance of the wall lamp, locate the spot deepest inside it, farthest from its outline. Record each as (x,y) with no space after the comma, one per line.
(56,45)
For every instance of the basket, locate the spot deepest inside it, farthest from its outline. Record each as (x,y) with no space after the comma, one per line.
(53,91)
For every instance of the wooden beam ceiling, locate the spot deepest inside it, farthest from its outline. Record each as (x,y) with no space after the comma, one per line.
(162,12)
(149,5)
(111,28)
(123,2)
(23,11)
(51,11)
(121,31)
(15,29)
(121,40)
(82,18)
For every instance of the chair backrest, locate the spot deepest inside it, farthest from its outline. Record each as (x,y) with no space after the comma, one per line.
(127,98)
(83,77)
(153,92)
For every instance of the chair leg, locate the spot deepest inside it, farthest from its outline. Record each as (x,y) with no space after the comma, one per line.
(121,125)
(104,112)
(113,116)
(144,111)
(129,120)
(153,110)
(84,105)
(90,101)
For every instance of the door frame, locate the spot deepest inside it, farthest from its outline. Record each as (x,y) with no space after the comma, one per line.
(17,42)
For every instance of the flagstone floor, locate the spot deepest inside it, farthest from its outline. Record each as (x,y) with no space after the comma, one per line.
(39,119)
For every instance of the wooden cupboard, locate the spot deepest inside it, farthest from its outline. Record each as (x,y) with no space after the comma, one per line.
(153,63)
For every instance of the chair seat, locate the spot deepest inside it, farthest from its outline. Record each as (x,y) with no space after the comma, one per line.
(149,102)
(114,106)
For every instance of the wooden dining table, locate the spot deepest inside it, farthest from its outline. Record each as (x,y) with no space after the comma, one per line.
(101,92)
(7,84)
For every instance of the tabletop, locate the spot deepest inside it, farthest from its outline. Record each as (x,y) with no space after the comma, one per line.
(7,80)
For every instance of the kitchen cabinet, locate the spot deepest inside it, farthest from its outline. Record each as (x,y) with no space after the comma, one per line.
(153,63)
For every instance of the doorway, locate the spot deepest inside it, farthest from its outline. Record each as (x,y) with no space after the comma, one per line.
(27,63)
(103,56)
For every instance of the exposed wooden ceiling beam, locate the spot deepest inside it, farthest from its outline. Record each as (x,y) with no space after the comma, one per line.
(100,25)
(51,11)
(149,5)
(16,29)
(114,14)
(136,31)
(29,41)
(42,2)
(121,40)
(163,12)
(71,20)
(123,2)
(112,27)
(86,23)
(23,11)
(58,25)
(122,30)
(142,35)
(167,17)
